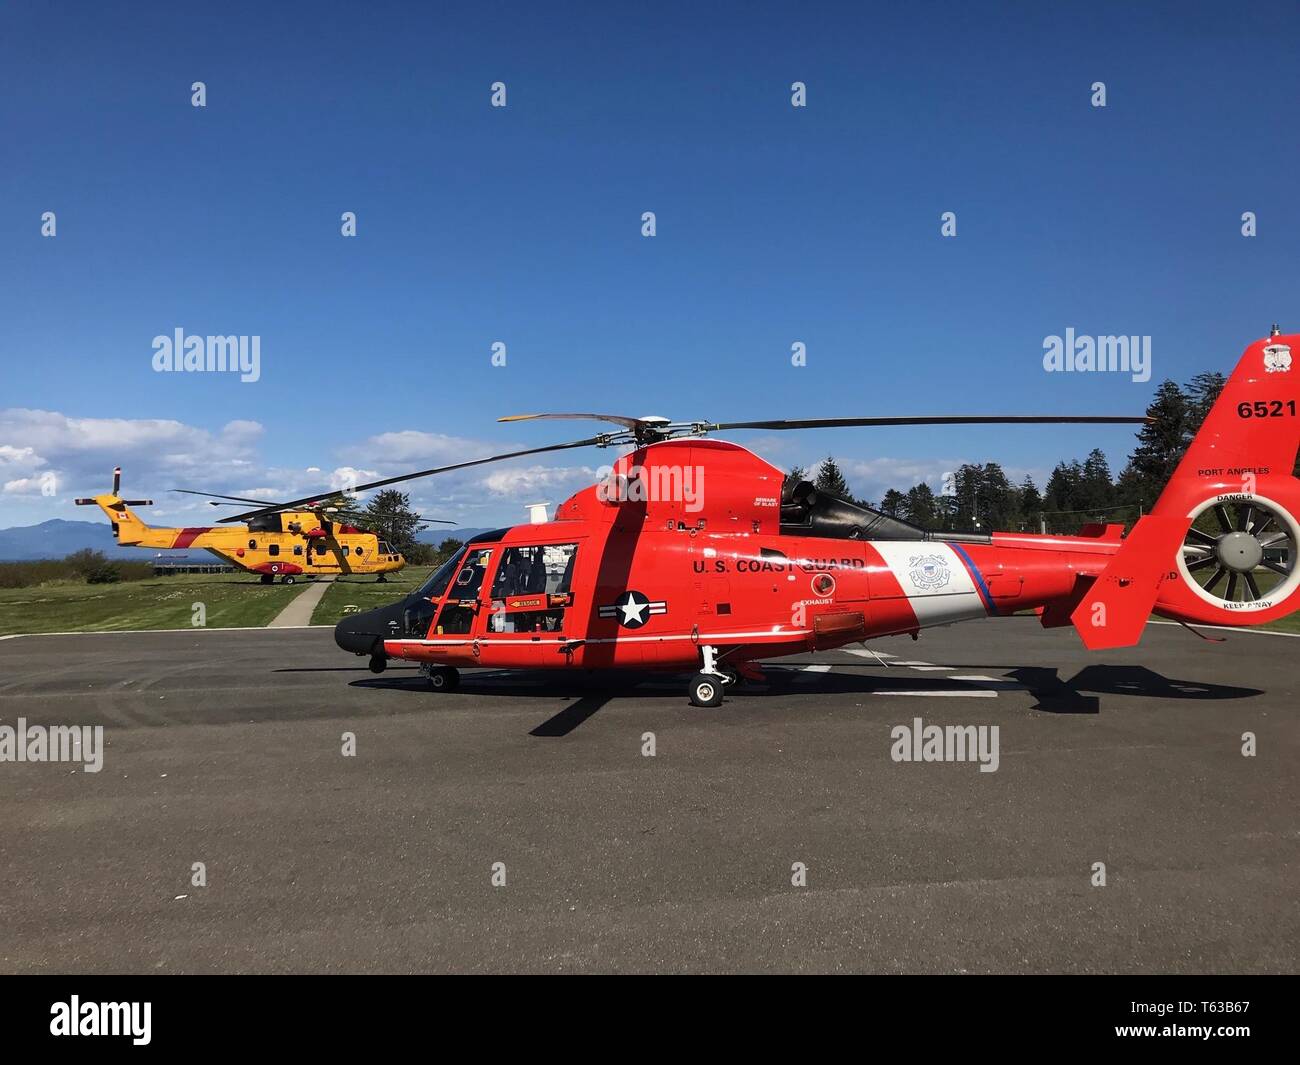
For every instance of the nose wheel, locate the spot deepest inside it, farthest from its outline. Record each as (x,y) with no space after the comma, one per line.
(707,686)
(441,678)
(706,689)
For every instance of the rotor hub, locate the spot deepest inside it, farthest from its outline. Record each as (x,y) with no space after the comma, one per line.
(1239,552)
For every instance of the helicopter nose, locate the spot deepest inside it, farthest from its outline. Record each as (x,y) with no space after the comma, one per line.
(364,634)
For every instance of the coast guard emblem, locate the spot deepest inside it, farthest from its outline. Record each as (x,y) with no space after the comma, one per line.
(928,572)
(1277,359)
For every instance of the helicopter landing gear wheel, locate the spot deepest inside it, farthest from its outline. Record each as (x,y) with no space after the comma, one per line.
(267,579)
(378,663)
(706,690)
(287,578)
(442,678)
(381,579)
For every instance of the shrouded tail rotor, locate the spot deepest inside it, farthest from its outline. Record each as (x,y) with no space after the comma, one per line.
(1240,553)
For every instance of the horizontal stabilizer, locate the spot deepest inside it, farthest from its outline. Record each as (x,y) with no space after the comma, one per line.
(1115,609)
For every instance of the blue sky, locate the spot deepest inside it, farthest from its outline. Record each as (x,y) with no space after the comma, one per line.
(523,225)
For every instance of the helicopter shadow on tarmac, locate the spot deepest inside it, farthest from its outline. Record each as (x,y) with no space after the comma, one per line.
(592,690)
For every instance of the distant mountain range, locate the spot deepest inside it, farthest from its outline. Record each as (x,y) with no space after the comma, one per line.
(58,538)
(437,535)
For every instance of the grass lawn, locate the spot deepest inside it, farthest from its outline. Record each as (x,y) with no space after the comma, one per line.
(366,593)
(1266,581)
(1286,624)
(231,601)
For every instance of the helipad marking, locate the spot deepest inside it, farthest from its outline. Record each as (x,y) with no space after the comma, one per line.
(996,683)
(974,693)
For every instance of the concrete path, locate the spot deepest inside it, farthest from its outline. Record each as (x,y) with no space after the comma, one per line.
(300,610)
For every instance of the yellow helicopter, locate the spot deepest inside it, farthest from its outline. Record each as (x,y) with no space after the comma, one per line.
(305,540)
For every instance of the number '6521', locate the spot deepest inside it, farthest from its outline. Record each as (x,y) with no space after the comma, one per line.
(1266,408)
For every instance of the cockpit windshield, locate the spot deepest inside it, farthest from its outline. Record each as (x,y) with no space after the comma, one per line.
(437,583)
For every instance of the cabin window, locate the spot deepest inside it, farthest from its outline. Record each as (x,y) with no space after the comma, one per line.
(297,549)
(252,545)
(274,549)
(532,587)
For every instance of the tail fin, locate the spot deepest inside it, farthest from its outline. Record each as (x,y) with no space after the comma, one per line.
(1252,427)
(127,526)
(1219,545)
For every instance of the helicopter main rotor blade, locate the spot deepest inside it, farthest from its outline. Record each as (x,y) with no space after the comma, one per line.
(216,495)
(616,419)
(942,419)
(590,442)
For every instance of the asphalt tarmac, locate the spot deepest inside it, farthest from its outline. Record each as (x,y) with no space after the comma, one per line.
(226,748)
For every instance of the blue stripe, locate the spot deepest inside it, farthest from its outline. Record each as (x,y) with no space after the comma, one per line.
(979,579)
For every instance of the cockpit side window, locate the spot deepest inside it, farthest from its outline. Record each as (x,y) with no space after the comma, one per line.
(462,600)
(437,583)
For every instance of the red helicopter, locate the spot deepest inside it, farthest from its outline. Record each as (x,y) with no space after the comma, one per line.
(695,555)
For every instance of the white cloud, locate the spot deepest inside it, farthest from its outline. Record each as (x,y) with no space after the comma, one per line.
(415,447)
(28,486)
(535,481)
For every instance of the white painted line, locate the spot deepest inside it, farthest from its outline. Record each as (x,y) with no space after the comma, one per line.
(815,669)
(925,667)
(155,632)
(981,693)
(994,683)
(863,653)
(1231,628)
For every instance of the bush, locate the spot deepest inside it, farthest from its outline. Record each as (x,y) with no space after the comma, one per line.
(108,573)
(89,566)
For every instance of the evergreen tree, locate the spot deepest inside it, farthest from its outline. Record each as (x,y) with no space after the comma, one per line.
(892,502)
(919,507)
(389,515)
(1063,495)
(1161,443)
(1096,487)
(1201,391)
(831,481)
(999,503)
(1031,502)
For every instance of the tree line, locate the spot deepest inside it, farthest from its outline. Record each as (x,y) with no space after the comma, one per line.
(981,497)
